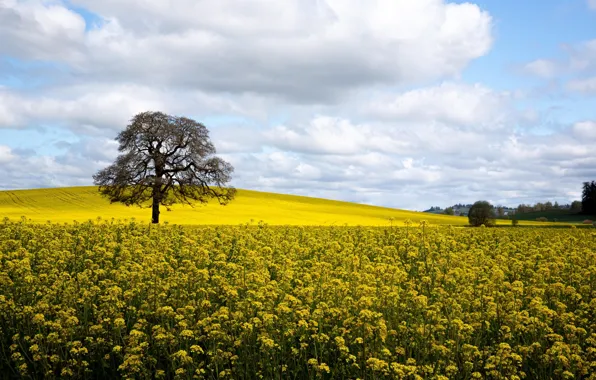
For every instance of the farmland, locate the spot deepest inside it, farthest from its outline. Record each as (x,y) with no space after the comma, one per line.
(559,215)
(108,299)
(84,203)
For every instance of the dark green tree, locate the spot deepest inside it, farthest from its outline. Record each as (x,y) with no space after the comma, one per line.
(481,213)
(589,198)
(165,160)
(576,206)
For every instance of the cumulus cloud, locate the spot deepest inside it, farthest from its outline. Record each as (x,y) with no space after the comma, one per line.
(6,154)
(434,156)
(452,103)
(25,169)
(261,48)
(95,108)
(105,108)
(585,130)
(331,135)
(40,30)
(509,168)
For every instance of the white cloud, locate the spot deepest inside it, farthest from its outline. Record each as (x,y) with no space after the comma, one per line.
(582,56)
(332,135)
(453,103)
(100,108)
(542,68)
(312,91)
(40,30)
(579,62)
(592,4)
(584,86)
(524,168)
(261,48)
(585,130)
(6,154)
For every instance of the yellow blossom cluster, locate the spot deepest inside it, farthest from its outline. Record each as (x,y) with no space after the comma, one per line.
(126,300)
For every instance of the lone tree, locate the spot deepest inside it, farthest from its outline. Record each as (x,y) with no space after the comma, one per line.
(480,213)
(589,198)
(165,159)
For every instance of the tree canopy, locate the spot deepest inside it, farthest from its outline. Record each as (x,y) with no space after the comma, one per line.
(589,198)
(481,213)
(165,159)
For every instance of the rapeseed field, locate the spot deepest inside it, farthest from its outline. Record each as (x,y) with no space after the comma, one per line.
(85,203)
(105,299)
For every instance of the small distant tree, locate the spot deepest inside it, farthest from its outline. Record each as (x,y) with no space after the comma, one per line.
(500,212)
(589,198)
(449,211)
(576,206)
(481,213)
(514,222)
(165,159)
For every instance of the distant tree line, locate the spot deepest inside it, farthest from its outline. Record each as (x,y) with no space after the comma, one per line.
(575,206)
(589,198)
(483,213)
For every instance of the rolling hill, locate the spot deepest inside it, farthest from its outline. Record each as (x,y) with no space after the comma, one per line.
(84,203)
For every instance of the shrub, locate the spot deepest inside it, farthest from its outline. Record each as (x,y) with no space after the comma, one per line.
(542,219)
(481,213)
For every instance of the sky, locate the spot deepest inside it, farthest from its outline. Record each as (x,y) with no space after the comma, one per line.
(397,103)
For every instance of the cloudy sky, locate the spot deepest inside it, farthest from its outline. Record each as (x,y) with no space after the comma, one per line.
(401,103)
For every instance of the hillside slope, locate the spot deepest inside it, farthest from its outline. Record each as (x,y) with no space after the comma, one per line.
(84,203)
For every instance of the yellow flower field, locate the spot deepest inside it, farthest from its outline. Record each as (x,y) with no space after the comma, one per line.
(110,300)
(84,203)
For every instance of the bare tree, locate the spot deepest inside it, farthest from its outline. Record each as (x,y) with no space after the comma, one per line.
(165,159)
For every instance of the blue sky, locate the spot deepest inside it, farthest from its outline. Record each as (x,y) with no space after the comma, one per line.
(396,103)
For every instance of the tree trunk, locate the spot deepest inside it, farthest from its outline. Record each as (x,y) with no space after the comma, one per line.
(156,193)
(155,213)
